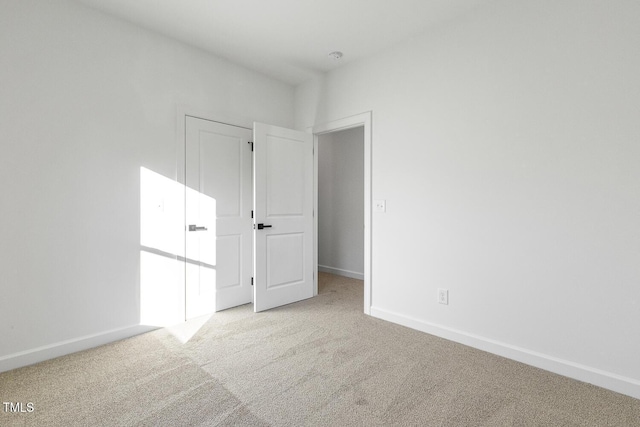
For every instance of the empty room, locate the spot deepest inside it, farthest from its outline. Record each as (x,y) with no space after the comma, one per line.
(286,213)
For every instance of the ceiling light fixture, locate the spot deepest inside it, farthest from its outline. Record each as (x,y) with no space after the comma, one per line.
(336,55)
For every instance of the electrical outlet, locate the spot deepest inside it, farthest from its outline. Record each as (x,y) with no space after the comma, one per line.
(380,205)
(443,296)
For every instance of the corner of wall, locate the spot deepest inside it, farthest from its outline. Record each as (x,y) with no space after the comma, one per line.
(308,101)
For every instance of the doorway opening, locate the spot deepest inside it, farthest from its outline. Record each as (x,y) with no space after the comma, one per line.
(343,199)
(341,203)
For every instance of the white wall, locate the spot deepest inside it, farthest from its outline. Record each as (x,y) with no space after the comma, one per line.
(506,144)
(341,202)
(86,100)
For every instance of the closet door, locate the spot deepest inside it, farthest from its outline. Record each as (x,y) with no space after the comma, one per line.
(218,216)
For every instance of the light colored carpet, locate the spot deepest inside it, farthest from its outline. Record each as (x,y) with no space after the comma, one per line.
(318,362)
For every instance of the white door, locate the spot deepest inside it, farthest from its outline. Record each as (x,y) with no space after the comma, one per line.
(218,216)
(283,203)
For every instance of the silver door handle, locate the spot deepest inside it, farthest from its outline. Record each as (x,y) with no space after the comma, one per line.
(193,227)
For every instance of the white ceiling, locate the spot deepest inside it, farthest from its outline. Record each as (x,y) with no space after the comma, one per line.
(288,39)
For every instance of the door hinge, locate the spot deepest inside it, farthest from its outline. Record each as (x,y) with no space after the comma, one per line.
(252,281)
(251,142)
(251,214)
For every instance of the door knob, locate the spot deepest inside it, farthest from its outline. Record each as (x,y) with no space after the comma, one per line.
(261,226)
(193,227)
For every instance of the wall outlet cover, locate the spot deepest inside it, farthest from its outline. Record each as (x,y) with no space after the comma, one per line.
(443,296)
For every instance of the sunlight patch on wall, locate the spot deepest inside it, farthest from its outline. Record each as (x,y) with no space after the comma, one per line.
(162,297)
(161,213)
(161,290)
(174,287)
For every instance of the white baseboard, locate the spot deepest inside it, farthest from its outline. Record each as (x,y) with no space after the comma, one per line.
(604,379)
(340,272)
(62,348)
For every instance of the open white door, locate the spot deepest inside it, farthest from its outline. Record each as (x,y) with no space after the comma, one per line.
(283,224)
(218,216)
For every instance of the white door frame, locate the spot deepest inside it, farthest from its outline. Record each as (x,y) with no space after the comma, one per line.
(363,119)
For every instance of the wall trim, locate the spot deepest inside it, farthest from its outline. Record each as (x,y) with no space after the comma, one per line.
(600,378)
(341,272)
(63,348)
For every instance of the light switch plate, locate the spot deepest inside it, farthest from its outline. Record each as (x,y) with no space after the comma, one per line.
(380,205)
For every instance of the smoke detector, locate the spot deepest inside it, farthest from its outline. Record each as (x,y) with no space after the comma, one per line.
(336,55)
